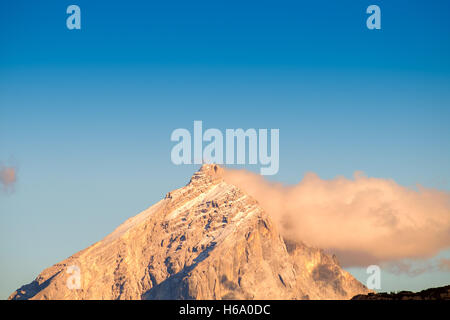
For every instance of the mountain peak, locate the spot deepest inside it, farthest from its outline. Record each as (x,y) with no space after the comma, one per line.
(207,173)
(206,240)
(210,168)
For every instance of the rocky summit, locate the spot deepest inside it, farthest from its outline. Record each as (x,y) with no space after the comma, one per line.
(207,240)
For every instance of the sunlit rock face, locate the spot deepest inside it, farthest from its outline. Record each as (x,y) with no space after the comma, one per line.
(207,240)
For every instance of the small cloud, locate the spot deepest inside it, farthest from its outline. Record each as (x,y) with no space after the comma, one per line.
(410,268)
(8,177)
(444,265)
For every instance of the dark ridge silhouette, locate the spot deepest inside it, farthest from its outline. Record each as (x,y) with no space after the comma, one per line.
(440,293)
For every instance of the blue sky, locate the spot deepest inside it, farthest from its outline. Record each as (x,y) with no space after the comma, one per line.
(86,115)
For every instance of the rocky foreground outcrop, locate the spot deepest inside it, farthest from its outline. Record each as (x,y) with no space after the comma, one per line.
(440,293)
(207,240)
